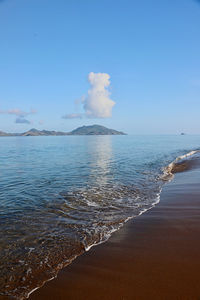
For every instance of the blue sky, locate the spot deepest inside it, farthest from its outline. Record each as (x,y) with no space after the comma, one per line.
(150,49)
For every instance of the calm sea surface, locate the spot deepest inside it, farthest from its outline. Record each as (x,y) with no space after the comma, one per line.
(61,195)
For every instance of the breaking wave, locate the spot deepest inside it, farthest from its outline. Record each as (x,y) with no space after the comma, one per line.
(180,164)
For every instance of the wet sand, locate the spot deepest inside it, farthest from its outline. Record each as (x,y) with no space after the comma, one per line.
(155,256)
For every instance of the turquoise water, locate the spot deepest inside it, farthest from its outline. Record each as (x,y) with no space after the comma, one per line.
(61,195)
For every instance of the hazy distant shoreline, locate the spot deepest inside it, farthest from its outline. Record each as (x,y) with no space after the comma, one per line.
(84,130)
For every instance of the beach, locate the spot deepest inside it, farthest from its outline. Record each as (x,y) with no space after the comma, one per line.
(100,150)
(154,256)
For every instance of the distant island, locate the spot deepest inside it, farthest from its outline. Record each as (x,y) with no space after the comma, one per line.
(84,130)
(95,130)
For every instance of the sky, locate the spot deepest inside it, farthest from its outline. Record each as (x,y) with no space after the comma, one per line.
(129,65)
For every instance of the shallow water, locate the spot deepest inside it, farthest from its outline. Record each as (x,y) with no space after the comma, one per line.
(60,195)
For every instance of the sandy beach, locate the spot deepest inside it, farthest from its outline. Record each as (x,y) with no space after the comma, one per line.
(154,256)
(99,150)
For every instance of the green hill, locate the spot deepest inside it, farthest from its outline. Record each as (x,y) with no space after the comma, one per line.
(95,130)
(84,130)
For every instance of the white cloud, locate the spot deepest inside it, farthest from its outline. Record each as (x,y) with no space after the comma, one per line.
(97,104)
(19,114)
(73,116)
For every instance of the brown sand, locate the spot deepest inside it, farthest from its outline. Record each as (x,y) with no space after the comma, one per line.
(155,256)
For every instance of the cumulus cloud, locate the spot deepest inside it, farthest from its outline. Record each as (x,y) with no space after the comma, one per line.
(21,115)
(97,104)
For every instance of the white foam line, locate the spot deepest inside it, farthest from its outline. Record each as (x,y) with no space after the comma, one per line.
(122,223)
(39,286)
(109,235)
(167,171)
(102,241)
(63,266)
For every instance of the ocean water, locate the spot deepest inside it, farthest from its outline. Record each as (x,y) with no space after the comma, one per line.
(61,195)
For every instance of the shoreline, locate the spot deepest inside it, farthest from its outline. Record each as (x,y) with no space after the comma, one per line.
(98,243)
(153,256)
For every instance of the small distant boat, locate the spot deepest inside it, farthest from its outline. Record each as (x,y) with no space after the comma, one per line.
(182,133)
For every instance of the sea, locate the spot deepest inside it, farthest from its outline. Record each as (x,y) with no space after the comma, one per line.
(61,195)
